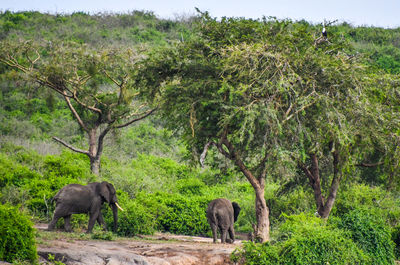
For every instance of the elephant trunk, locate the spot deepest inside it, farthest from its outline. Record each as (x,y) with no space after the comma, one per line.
(115,214)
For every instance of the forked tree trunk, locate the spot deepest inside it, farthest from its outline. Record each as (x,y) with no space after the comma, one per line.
(324,206)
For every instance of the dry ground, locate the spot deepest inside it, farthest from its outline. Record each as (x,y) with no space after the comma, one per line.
(159,249)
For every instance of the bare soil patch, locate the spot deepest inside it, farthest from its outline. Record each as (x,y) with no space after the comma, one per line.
(159,249)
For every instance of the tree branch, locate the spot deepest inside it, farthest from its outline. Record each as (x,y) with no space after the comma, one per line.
(370,164)
(76,115)
(11,61)
(75,97)
(136,119)
(101,139)
(257,184)
(70,146)
(204,153)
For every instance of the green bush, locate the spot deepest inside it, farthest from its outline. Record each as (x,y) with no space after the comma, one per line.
(134,220)
(375,200)
(294,202)
(68,164)
(304,240)
(176,213)
(103,236)
(191,186)
(254,253)
(371,234)
(12,173)
(396,240)
(17,236)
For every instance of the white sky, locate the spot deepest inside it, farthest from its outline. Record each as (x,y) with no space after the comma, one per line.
(381,13)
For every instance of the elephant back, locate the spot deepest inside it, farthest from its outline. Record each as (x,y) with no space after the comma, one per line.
(73,192)
(220,211)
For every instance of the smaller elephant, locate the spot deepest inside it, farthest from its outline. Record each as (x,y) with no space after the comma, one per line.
(75,199)
(222,214)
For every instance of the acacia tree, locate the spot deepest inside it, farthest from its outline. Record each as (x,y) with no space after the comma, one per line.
(96,84)
(261,93)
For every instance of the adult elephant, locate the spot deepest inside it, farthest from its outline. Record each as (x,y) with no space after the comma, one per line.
(75,198)
(222,214)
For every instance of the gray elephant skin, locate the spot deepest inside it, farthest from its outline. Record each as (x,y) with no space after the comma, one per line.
(76,199)
(222,214)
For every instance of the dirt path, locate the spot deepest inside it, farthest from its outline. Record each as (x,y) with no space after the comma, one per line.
(160,249)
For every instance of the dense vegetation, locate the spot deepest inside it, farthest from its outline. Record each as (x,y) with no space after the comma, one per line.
(346,131)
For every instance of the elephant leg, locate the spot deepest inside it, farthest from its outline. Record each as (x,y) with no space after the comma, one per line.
(92,221)
(223,235)
(214,232)
(53,222)
(67,223)
(231,235)
(101,222)
(57,215)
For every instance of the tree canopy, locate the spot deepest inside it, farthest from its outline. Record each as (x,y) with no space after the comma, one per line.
(270,95)
(97,86)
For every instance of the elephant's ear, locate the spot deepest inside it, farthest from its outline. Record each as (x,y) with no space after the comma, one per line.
(104,191)
(236,211)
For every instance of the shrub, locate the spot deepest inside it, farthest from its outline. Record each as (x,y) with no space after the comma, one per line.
(375,200)
(176,213)
(12,173)
(17,236)
(294,202)
(134,220)
(191,186)
(304,240)
(371,234)
(68,164)
(253,253)
(103,236)
(396,240)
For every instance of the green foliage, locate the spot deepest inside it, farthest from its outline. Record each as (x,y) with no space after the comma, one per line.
(67,165)
(375,200)
(146,137)
(253,253)
(32,180)
(134,220)
(52,259)
(103,236)
(298,200)
(190,187)
(97,30)
(396,240)
(176,213)
(17,236)
(371,234)
(304,240)
(12,173)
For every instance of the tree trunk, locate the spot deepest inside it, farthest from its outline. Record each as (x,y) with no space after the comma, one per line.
(324,207)
(93,154)
(262,211)
(333,189)
(262,216)
(95,165)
